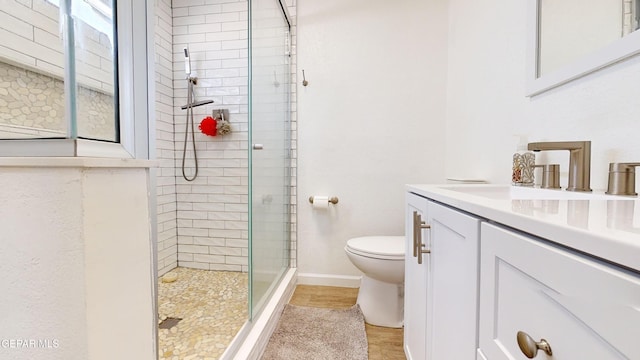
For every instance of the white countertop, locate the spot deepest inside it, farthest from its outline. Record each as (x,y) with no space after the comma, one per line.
(605,226)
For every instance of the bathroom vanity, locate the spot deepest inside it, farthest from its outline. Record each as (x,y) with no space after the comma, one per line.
(496,272)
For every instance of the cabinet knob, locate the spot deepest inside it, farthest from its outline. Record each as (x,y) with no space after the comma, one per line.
(530,347)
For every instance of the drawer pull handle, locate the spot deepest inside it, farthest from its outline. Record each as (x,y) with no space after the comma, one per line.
(415,233)
(420,246)
(530,347)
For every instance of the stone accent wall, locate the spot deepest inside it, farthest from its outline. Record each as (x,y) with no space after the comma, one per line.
(31,100)
(33,105)
(96,114)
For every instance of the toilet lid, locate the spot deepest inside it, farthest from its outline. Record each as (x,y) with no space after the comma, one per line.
(378,246)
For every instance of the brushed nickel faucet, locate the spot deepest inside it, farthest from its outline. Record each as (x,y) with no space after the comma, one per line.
(550,176)
(579,161)
(622,179)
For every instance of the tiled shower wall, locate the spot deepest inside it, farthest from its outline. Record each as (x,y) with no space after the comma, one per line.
(210,214)
(629,24)
(165,152)
(30,33)
(213,209)
(291,7)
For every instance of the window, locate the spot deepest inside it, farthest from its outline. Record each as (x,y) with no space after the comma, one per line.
(73,78)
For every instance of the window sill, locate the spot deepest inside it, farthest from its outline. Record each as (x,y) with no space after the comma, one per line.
(62,148)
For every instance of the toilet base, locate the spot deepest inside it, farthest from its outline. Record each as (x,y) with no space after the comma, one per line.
(382,303)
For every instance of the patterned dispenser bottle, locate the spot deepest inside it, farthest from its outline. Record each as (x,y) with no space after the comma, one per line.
(523,165)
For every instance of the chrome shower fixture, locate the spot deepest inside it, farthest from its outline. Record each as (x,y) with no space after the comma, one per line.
(196,104)
(187,63)
(191,103)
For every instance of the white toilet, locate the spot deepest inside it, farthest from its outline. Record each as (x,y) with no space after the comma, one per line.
(381,295)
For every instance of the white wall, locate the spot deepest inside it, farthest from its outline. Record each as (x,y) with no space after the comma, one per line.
(370,121)
(486,102)
(486,65)
(117,264)
(76,261)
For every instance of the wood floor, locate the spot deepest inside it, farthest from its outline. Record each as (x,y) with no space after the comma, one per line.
(384,343)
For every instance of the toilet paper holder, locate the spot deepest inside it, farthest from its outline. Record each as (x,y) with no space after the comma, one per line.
(333,199)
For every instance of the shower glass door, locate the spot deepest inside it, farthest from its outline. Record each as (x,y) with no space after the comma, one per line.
(270,154)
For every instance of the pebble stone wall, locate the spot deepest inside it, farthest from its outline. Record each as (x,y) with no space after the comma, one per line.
(30,101)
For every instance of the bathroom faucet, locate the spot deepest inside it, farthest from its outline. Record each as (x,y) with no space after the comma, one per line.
(579,161)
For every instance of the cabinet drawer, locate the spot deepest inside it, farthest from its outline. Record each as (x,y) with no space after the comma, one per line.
(582,308)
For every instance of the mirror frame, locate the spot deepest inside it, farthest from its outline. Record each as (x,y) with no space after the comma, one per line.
(617,51)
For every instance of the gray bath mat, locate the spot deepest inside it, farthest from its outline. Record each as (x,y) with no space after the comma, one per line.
(318,334)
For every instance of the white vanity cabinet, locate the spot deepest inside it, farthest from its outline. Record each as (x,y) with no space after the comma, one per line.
(495,265)
(441,281)
(415,284)
(583,308)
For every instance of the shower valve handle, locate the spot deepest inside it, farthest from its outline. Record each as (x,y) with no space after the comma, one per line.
(258,146)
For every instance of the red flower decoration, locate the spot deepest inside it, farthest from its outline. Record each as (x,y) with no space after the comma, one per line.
(209,126)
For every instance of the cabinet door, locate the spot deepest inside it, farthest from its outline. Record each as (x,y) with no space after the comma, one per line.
(583,308)
(416,287)
(453,265)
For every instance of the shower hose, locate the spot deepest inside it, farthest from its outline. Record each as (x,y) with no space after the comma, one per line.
(193,133)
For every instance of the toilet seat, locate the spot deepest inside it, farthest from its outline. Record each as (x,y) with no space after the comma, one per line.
(378,247)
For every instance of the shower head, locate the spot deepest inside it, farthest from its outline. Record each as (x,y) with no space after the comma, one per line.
(187,63)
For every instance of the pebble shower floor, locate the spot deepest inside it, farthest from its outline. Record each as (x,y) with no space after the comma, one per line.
(212,306)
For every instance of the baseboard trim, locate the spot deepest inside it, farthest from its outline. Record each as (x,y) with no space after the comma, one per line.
(256,334)
(350,281)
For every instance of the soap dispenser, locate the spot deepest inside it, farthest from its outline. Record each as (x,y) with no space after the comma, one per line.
(523,165)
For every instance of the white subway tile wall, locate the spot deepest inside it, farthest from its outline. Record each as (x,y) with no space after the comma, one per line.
(291,7)
(629,23)
(212,210)
(30,36)
(165,148)
(203,224)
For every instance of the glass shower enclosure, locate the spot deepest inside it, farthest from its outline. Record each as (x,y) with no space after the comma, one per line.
(270,149)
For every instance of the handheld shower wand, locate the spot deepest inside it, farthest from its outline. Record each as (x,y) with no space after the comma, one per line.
(191,80)
(187,63)
(191,103)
